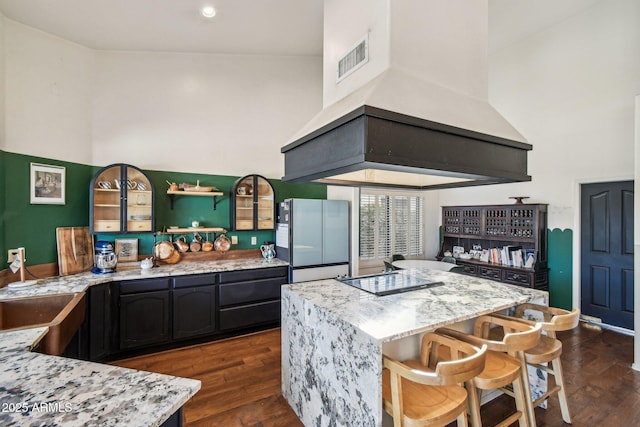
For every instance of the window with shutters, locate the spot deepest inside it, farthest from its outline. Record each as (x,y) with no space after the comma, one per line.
(390,223)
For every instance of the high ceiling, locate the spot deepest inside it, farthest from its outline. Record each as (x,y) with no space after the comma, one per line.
(269,27)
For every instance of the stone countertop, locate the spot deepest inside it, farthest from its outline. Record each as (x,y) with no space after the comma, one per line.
(38,389)
(80,282)
(387,318)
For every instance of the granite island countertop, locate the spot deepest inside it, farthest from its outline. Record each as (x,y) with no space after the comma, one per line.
(387,318)
(38,389)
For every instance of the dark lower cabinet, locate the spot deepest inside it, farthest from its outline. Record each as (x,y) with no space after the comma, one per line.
(99,321)
(250,298)
(249,315)
(144,307)
(131,316)
(194,306)
(194,311)
(174,420)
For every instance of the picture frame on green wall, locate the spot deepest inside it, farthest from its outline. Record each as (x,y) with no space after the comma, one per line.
(47,184)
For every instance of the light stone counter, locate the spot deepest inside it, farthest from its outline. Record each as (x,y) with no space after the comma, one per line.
(334,335)
(80,282)
(42,390)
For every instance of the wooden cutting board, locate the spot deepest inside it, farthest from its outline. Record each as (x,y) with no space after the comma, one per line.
(75,250)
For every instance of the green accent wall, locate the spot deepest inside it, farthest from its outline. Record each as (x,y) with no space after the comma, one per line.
(3,192)
(560,246)
(33,226)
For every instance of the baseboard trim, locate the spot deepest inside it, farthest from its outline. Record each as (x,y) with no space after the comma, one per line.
(597,323)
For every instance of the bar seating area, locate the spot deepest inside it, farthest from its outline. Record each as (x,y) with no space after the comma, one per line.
(419,392)
(432,394)
(549,349)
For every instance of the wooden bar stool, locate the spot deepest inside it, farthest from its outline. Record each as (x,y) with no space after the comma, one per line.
(549,349)
(504,365)
(431,394)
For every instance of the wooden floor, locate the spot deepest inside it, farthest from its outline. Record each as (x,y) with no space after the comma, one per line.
(241,381)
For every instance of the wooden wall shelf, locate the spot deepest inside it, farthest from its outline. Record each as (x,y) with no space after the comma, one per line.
(214,194)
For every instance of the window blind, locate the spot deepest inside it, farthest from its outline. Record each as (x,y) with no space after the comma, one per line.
(390,224)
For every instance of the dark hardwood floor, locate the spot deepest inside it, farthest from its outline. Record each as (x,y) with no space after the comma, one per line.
(241,381)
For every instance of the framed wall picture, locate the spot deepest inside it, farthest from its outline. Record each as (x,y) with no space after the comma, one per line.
(47,184)
(127,250)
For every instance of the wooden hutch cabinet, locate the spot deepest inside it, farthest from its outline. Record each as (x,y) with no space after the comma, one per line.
(253,204)
(521,226)
(121,200)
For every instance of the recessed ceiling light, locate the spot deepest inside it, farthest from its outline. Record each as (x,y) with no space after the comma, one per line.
(208,12)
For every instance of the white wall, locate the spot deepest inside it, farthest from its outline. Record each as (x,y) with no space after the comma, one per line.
(47,95)
(201,113)
(636,238)
(570,91)
(345,23)
(198,113)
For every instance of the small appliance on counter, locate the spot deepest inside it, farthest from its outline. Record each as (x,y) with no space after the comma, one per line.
(105,259)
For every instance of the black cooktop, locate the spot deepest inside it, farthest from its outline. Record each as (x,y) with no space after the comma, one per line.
(390,283)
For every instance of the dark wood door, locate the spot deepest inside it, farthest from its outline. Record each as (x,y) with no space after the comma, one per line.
(194,311)
(606,237)
(144,319)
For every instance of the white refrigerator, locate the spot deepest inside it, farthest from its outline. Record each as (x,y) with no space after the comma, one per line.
(312,235)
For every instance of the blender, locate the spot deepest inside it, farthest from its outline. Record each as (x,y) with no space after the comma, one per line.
(105,259)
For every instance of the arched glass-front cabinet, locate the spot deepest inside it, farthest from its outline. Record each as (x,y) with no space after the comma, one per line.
(121,200)
(253,204)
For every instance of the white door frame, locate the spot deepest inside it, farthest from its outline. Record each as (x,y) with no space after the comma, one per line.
(636,239)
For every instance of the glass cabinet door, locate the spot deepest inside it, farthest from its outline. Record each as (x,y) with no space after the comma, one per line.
(265,204)
(139,201)
(121,200)
(253,204)
(107,200)
(244,217)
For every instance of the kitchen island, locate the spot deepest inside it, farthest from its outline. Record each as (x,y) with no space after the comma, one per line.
(334,336)
(38,389)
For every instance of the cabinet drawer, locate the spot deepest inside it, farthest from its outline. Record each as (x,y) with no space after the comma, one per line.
(144,285)
(255,274)
(489,273)
(139,225)
(469,269)
(258,290)
(517,277)
(249,315)
(194,280)
(106,225)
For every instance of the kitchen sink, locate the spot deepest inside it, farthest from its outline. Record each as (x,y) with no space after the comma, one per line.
(62,313)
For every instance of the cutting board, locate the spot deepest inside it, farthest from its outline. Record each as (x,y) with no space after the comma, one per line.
(75,250)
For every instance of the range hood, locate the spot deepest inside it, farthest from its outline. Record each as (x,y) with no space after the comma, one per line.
(410,126)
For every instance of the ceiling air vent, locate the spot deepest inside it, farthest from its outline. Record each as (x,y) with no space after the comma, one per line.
(354,59)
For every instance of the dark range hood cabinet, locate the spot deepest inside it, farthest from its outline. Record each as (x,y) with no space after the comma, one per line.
(379,148)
